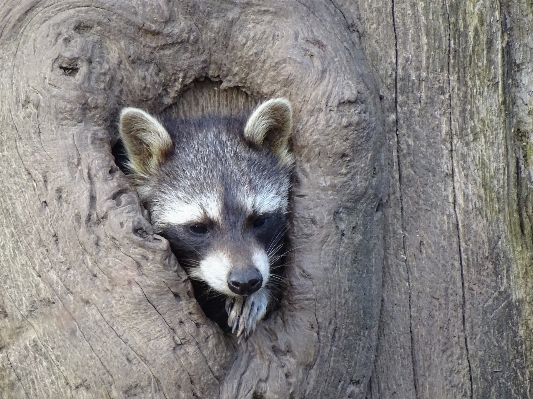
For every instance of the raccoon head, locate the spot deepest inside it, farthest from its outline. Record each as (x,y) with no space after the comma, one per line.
(217,188)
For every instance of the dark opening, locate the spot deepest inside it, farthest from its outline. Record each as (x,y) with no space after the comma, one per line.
(199,99)
(121,159)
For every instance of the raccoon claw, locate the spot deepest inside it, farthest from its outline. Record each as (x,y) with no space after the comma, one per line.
(245,312)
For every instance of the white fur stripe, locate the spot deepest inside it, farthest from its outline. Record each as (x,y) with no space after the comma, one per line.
(212,205)
(269,199)
(260,261)
(180,213)
(175,211)
(214,270)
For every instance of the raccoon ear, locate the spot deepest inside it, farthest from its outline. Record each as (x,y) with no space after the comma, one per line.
(270,126)
(146,141)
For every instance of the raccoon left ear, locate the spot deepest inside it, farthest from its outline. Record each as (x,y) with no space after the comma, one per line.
(270,126)
(146,141)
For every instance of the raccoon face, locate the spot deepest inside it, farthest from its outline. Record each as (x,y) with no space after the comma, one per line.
(217,188)
(228,247)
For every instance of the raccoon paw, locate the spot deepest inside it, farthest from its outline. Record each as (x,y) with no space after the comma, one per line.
(245,312)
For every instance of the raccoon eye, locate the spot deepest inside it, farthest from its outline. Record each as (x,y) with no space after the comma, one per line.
(199,228)
(259,221)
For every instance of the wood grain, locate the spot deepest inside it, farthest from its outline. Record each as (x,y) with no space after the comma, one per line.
(93,304)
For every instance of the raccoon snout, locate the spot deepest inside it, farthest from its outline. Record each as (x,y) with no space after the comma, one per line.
(245,281)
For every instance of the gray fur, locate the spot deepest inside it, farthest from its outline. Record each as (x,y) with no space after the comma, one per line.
(225,179)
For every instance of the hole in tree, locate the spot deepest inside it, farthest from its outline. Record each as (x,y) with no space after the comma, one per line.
(121,159)
(203,98)
(69,70)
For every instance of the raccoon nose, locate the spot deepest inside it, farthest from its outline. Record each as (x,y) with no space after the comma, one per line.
(245,281)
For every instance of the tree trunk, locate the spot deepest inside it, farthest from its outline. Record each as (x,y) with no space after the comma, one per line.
(456,80)
(93,303)
(428,100)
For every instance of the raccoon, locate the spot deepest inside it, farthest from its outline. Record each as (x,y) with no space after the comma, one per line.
(217,188)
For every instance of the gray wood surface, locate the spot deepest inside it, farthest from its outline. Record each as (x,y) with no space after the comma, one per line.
(456,81)
(410,270)
(93,304)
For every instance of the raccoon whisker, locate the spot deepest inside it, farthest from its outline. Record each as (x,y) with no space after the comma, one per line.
(273,288)
(284,264)
(292,249)
(279,234)
(277,238)
(276,278)
(274,257)
(270,292)
(273,250)
(270,295)
(193,248)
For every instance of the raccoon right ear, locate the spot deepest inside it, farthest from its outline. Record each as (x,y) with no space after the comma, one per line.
(270,126)
(146,141)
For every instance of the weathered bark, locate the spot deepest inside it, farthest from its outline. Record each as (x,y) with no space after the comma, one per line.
(456,80)
(92,303)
